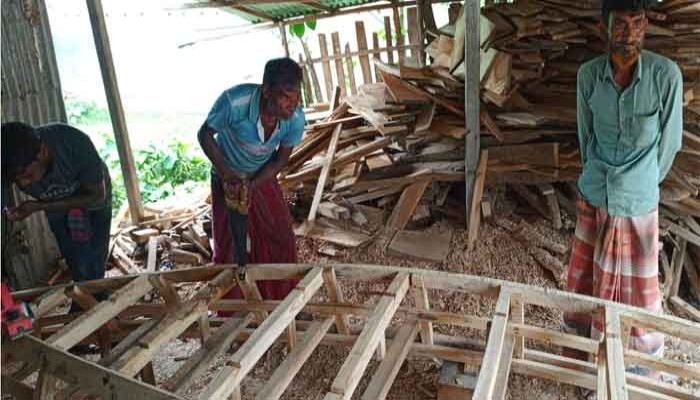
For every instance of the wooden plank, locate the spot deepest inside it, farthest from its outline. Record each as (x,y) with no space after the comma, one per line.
(152,252)
(602,374)
(362,46)
(335,295)
(531,198)
(517,316)
(350,373)
(327,77)
(94,318)
(325,172)
(387,33)
(685,308)
(407,204)
(677,261)
(339,72)
(167,329)
(198,363)
(128,342)
(230,377)
(550,195)
(91,378)
(488,373)
(682,369)
(166,290)
(351,70)
(116,110)
(291,365)
(504,367)
(420,296)
(475,202)
(617,384)
(385,374)
(48,302)
(312,73)
(252,294)
(420,245)
(142,236)
(16,388)
(540,154)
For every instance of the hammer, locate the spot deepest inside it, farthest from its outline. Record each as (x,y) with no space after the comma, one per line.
(237,202)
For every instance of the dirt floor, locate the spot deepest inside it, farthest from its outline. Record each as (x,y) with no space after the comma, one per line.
(497,255)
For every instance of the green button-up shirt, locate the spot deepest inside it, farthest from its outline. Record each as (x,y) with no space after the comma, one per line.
(628,138)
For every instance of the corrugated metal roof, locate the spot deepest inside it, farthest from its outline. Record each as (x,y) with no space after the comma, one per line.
(280,11)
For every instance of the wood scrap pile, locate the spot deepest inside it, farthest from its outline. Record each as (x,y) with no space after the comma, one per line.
(168,238)
(531,52)
(360,160)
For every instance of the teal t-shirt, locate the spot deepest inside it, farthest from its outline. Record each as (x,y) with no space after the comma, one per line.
(235,117)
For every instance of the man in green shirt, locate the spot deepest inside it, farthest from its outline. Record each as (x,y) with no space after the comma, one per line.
(630,127)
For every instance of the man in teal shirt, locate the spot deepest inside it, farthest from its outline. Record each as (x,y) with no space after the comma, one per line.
(630,124)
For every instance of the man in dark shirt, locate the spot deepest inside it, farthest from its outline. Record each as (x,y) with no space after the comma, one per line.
(59,167)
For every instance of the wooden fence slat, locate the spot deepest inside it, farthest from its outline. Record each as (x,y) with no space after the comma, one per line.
(351,69)
(399,35)
(376,55)
(362,45)
(387,32)
(327,77)
(339,73)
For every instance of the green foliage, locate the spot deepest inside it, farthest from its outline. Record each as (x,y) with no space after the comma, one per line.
(298,30)
(85,112)
(161,170)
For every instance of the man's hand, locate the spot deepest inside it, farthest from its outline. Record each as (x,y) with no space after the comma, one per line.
(230,176)
(23,210)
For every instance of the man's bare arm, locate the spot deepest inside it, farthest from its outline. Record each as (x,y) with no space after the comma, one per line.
(273,167)
(208,144)
(88,195)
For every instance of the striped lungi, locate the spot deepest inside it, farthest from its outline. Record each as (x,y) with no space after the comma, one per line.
(615,258)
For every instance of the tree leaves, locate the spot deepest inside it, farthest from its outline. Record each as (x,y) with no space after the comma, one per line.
(298,30)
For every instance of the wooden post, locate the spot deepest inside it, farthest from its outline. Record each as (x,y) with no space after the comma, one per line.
(308,94)
(340,74)
(283,36)
(362,45)
(387,32)
(116,111)
(412,28)
(471,99)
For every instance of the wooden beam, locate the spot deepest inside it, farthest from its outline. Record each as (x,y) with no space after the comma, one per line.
(335,295)
(291,365)
(229,378)
(325,172)
(387,370)
(420,33)
(488,372)
(362,46)
(169,328)
(504,367)
(91,378)
(350,373)
(472,88)
(128,342)
(152,251)
(617,384)
(283,37)
(16,388)
(116,111)
(94,318)
(420,295)
(198,363)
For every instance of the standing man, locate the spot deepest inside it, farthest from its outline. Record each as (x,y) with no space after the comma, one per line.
(629,126)
(248,136)
(59,166)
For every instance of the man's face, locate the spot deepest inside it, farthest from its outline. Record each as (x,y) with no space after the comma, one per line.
(285,100)
(35,170)
(625,32)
